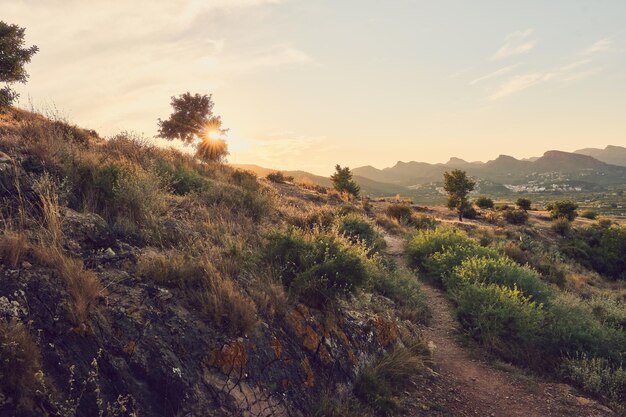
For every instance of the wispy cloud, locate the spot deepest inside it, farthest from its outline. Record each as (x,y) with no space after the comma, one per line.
(583,74)
(516,43)
(602,45)
(520,83)
(497,73)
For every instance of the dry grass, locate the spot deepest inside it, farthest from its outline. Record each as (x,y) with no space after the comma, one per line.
(171,268)
(225,304)
(19,364)
(13,246)
(83,286)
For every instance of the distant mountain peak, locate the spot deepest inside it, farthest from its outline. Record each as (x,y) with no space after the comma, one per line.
(456,161)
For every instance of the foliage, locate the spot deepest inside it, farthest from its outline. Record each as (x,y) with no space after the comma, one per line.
(343,182)
(458,185)
(502,319)
(506,273)
(356,229)
(427,242)
(318,267)
(518,216)
(279,177)
(564,209)
(597,376)
(484,202)
(13,57)
(523,203)
(561,226)
(589,214)
(400,212)
(404,290)
(602,249)
(193,121)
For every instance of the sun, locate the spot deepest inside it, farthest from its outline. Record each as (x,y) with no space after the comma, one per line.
(214,135)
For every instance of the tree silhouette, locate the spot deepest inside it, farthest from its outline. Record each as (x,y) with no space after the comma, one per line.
(458,185)
(194,123)
(13,57)
(343,182)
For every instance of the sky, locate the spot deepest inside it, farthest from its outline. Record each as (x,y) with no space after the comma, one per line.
(307,84)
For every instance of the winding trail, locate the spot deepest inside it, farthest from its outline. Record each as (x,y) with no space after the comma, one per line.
(465,386)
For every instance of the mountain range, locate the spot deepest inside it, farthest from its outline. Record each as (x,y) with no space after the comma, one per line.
(588,169)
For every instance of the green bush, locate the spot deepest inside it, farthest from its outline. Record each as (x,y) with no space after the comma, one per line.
(278,177)
(518,216)
(484,202)
(428,242)
(400,212)
(561,226)
(563,209)
(597,376)
(421,221)
(356,229)
(182,180)
(523,203)
(440,266)
(317,267)
(501,319)
(504,272)
(404,290)
(589,214)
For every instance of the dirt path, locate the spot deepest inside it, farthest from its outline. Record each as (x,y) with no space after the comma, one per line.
(466,386)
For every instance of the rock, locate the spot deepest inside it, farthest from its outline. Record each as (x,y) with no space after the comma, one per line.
(87,229)
(109,253)
(26,265)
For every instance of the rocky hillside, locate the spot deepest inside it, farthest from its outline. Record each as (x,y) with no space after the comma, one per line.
(138,281)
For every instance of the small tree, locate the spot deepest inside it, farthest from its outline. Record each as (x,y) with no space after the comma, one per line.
(194,123)
(458,185)
(523,203)
(564,209)
(13,57)
(343,182)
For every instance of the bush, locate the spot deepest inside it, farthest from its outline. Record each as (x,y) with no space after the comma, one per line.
(484,202)
(589,214)
(502,319)
(561,226)
(405,291)
(506,273)
(515,216)
(469,212)
(597,376)
(563,209)
(440,266)
(523,203)
(378,383)
(279,177)
(400,212)
(181,180)
(428,242)
(356,229)
(422,221)
(317,267)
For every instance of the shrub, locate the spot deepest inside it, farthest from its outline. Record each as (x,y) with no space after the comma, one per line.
(597,376)
(405,291)
(493,217)
(515,216)
(318,267)
(469,212)
(523,203)
(279,177)
(21,361)
(440,266)
(356,229)
(428,242)
(506,273)
(484,202)
(565,209)
(181,180)
(422,221)
(378,383)
(502,319)
(589,214)
(400,212)
(561,226)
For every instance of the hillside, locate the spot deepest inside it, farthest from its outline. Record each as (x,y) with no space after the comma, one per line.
(615,155)
(136,280)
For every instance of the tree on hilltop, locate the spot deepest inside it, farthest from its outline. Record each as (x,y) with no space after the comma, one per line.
(458,185)
(13,56)
(343,182)
(194,123)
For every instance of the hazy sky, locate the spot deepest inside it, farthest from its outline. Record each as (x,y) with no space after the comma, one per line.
(305,84)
